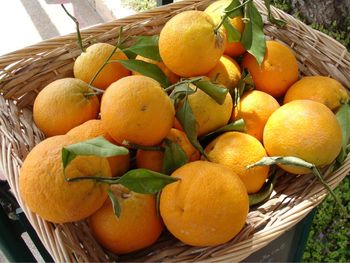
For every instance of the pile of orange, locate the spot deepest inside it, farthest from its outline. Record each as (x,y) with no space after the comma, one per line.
(286,115)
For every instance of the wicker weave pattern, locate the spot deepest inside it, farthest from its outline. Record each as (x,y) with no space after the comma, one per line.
(23,73)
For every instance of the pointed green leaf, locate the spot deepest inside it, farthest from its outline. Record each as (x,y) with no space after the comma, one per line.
(238,125)
(174,157)
(115,203)
(244,84)
(264,192)
(285,160)
(188,122)
(253,38)
(146,46)
(146,69)
(144,181)
(216,92)
(233,9)
(272,19)
(181,91)
(233,35)
(98,147)
(343,116)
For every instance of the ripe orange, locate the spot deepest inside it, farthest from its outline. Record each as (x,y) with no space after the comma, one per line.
(318,88)
(305,129)
(64,104)
(137,227)
(188,44)
(207,207)
(89,62)
(94,128)
(216,11)
(153,160)
(208,113)
(278,71)
(226,72)
(173,78)
(45,191)
(138,110)
(236,150)
(255,108)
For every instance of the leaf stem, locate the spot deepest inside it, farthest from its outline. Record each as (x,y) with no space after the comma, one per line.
(109,57)
(101,179)
(227,14)
(80,42)
(185,81)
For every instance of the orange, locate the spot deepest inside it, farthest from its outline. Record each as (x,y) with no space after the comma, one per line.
(216,11)
(208,113)
(137,227)
(305,129)
(90,61)
(181,139)
(43,187)
(278,71)
(236,150)
(255,108)
(92,129)
(318,88)
(207,207)
(153,160)
(172,77)
(226,72)
(188,44)
(138,110)
(64,104)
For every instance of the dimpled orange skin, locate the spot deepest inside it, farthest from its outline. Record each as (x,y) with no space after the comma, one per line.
(137,227)
(322,89)
(45,191)
(94,128)
(208,113)
(188,45)
(305,129)
(63,105)
(216,11)
(89,62)
(278,71)
(137,109)
(172,77)
(255,108)
(151,160)
(207,207)
(236,150)
(226,72)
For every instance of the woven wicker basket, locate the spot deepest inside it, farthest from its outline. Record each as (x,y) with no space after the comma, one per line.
(23,73)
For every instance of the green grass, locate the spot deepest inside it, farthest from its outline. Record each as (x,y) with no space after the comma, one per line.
(139,5)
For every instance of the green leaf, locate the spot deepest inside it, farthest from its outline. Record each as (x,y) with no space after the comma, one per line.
(98,147)
(253,38)
(272,19)
(238,125)
(174,157)
(188,122)
(144,181)
(265,191)
(146,46)
(181,91)
(129,54)
(232,9)
(115,203)
(233,35)
(343,116)
(146,69)
(216,92)
(285,160)
(244,84)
